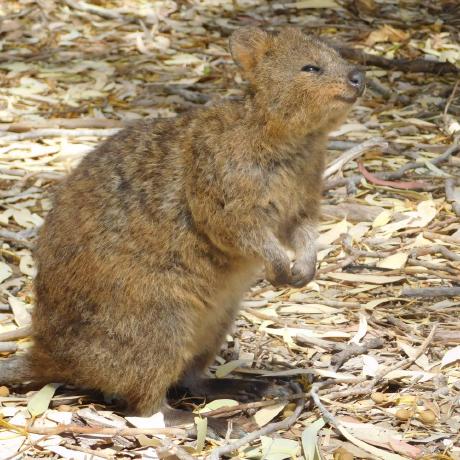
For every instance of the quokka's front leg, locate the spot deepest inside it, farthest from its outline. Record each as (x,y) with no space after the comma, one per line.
(303,239)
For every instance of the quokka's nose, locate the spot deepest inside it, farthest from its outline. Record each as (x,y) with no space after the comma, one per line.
(356,80)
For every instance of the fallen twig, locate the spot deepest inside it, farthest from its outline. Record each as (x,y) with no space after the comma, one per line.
(77,429)
(405,65)
(414,185)
(451,98)
(8,347)
(67,123)
(366,389)
(395,175)
(433,266)
(347,242)
(97,10)
(450,195)
(266,430)
(333,267)
(53,132)
(354,153)
(19,238)
(353,350)
(19,333)
(439,236)
(436,248)
(431,292)
(229,410)
(329,418)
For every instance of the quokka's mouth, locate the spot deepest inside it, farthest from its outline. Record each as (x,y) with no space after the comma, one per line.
(347,99)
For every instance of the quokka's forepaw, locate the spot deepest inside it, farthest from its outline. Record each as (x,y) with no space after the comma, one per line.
(302,274)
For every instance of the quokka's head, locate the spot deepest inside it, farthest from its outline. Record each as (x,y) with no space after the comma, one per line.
(297,79)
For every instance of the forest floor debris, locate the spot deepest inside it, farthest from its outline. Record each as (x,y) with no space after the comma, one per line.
(373,344)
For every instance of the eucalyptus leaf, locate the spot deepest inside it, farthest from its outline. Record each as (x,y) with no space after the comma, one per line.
(40,401)
(310,440)
(201,430)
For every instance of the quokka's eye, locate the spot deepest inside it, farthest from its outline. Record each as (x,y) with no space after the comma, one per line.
(311,68)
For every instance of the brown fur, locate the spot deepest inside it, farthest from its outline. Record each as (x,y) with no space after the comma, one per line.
(157,234)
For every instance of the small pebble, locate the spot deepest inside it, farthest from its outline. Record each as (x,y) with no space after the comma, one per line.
(4,392)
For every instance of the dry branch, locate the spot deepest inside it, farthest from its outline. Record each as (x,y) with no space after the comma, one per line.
(370,385)
(436,248)
(16,334)
(266,430)
(353,350)
(8,347)
(431,292)
(56,132)
(354,153)
(405,65)
(104,13)
(95,430)
(395,175)
(67,123)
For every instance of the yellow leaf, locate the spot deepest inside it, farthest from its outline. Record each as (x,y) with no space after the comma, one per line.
(394,261)
(267,414)
(40,401)
(382,219)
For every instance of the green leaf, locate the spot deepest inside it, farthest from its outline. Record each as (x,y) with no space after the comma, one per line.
(310,440)
(40,401)
(227,368)
(217,404)
(201,430)
(278,448)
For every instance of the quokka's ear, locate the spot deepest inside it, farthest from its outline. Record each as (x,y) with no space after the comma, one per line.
(247,46)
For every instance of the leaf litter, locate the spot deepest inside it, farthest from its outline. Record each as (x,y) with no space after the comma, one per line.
(73,72)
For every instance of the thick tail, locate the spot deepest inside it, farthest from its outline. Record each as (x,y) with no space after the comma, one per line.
(15,370)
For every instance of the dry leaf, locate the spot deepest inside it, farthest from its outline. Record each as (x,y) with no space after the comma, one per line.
(451,356)
(364,278)
(5,271)
(267,414)
(386,33)
(395,261)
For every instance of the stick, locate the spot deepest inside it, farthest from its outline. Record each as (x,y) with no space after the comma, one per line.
(395,175)
(406,65)
(93,9)
(451,98)
(228,410)
(341,145)
(376,453)
(437,248)
(334,267)
(16,237)
(366,389)
(354,153)
(68,123)
(353,350)
(445,238)
(216,454)
(19,333)
(433,266)
(373,179)
(450,195)
(347,242)
(53,132)
(8,347)
(431,292)
(77,429)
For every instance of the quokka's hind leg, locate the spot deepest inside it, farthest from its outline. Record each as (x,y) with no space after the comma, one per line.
(241,389)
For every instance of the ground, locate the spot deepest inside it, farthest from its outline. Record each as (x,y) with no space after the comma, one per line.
(373,344)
